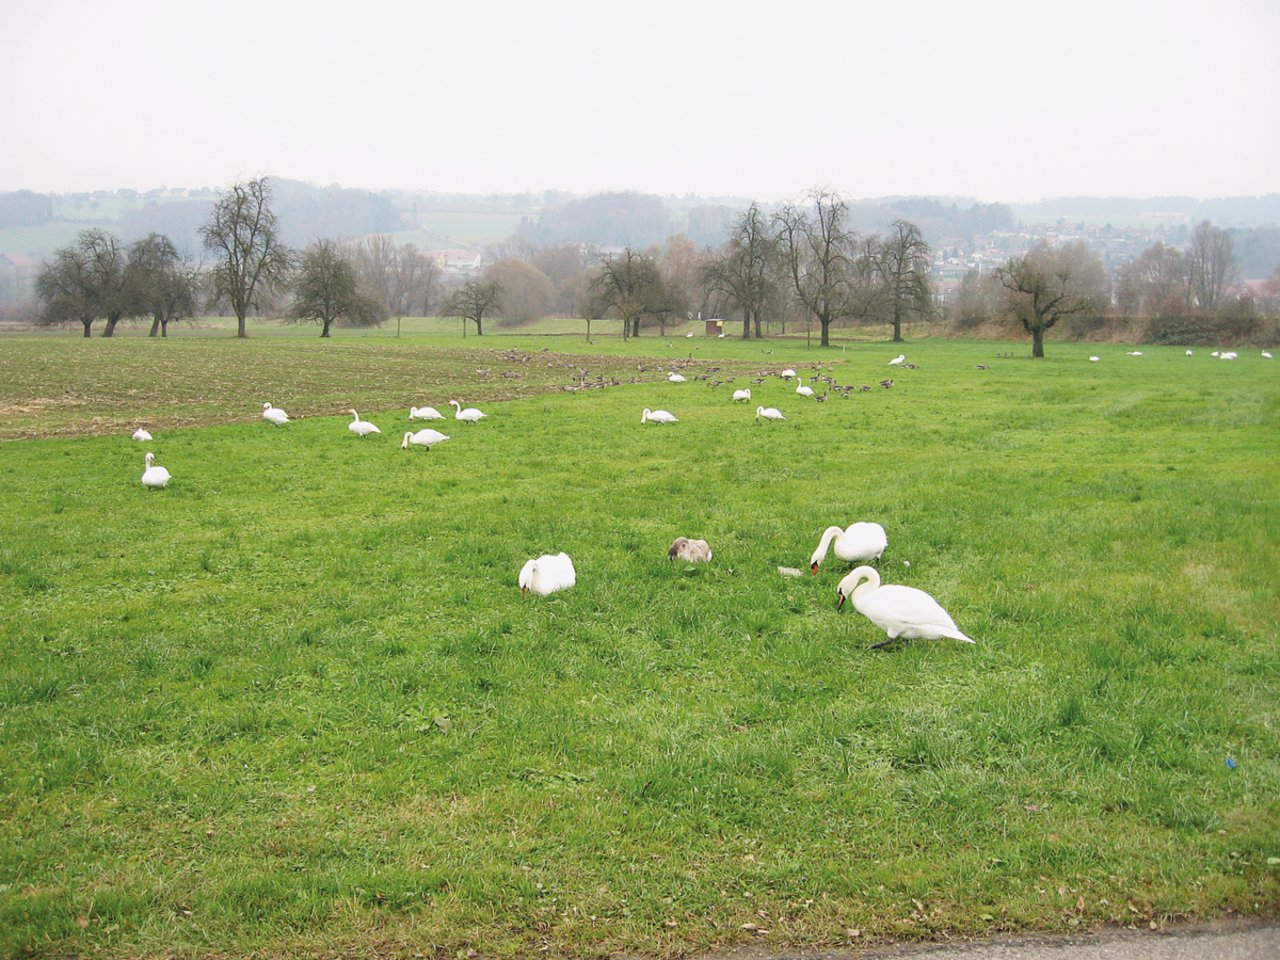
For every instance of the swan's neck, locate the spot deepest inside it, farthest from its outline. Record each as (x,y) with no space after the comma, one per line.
(825,543)
(355,417)
(405,444)
(869,581)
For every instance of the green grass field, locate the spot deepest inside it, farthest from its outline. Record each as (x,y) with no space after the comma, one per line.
(295,703)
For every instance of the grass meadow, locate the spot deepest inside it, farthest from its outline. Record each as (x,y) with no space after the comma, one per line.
(295,704)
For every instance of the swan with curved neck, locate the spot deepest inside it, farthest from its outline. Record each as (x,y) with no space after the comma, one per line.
(901,612)
(466,414)
(361,428)
(657,416)
(154,477)
(769,413)
(274,415)
(547,574)
(859,542)
(423,438)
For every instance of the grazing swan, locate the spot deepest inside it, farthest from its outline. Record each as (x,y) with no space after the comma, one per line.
(859,542)
(657,416)
(154,477)
(361,428)
(897,360)
(274,415)
(769,413)
(804,390)
(467,415)
(548,574)
(897,610)
(690,551)
(675,377)
(1134,353)
(1228,355)
(1267,355)
(423,438)
(787,374)
(1215,354)
(425,413)
(141,434)
(1094,359)
(742,394)
(1190,353)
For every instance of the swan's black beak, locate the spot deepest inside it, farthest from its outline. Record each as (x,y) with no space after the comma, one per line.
(839,599)
(813,567)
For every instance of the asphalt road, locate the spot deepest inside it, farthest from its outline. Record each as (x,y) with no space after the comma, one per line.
(1229,940)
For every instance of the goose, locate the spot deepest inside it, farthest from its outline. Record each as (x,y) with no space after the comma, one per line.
(897,610)
(897,360)
(361,428)
(425,413)
(1267,355)
(274,415)
(657,416)
(423,438)
(1094,359)
(142,435)
(859,542)
(547,574)
(804,390)
(675,377)
(744,394)
(690,551)
(769,413)
(154,477)
(788,374)
(467,415)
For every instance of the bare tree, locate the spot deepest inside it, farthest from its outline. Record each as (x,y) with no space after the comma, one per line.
(326,291)
(817,247)
(244,236)
(475,300)
(526,290)
(160,282)
(902,263)
(1211,265)
(745,272)
(1155,284)
(86,281)
(1050,283)
(626,285)
(977,300)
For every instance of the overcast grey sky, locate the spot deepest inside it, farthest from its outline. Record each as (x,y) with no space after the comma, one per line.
(995,99)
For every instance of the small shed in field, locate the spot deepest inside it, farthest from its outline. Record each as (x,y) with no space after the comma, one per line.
(715,328)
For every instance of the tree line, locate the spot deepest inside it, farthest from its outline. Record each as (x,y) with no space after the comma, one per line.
(802,264)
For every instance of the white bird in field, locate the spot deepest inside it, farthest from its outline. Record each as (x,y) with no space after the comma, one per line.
(744,394)
(361,428)
(897,360)
(657,416)
(274,415)
(675,377)
(860,541)
(425,413)
(141,434)
(688,336)
(1134,353)
(423,438)
(897,610)
(1228,355)
(804,390)
(769,413)
(1267,355)
(690,551)
(1215,354)
(1190,353)
(547,574)
(467,414)
(1094,359)
(787,374)
(154,477)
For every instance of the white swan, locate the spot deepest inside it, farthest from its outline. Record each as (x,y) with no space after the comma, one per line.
(787,374)
(547,574)
(423,438)
(466,415)
(897,610)
(1190,353)
(425,413)
(769,413)
(274,415)
(744,394)
(690,551)
(361,428)
(142,435)
(1215,354)
(657,416)
(897,360)
(154,477)
(1228,355)
(1267,355)
(675,377)
(1094,359)
(1134,353)
(804,390)
(858,542)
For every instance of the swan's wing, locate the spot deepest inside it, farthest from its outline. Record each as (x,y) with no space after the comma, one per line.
(913,612)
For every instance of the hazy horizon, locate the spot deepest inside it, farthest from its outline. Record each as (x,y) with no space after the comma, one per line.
(718,99)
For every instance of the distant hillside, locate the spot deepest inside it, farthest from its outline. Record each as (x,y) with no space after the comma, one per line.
(1240,212)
